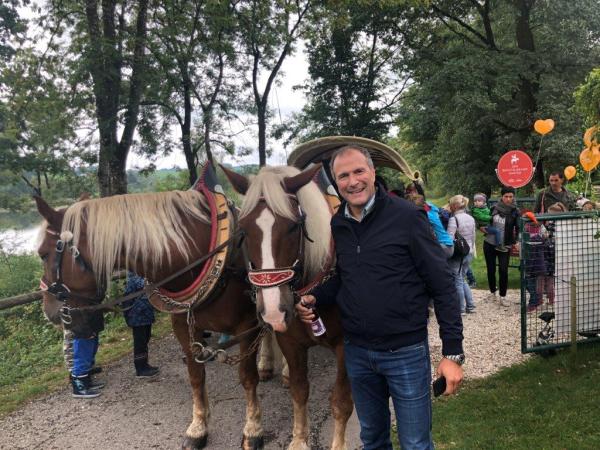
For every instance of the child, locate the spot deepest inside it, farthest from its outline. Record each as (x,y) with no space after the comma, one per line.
(545,281)
(483,217)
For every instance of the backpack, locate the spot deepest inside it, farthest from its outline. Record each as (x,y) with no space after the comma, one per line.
(461,246)
(444,217)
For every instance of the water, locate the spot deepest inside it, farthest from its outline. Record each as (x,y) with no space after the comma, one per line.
(19,241)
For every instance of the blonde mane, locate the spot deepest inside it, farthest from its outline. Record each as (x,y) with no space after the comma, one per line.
(138,227)
(268,184)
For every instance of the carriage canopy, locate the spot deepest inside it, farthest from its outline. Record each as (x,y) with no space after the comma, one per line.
(320,150)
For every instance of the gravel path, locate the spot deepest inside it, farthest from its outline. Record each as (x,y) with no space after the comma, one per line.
(135,414)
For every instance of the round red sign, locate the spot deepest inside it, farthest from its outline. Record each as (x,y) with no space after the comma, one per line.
(515,169)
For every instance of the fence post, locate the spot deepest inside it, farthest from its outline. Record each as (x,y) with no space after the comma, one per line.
(573,314)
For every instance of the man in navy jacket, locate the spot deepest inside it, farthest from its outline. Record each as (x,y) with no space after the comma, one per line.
(389,265)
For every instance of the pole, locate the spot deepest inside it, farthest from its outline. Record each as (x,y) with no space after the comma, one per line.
(573,314)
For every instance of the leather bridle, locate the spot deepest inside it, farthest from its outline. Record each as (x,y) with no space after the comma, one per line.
(58,289)
(291,275)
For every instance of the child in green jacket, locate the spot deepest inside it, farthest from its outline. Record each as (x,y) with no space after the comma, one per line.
(483,217)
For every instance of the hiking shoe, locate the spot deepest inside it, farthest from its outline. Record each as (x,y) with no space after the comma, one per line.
(504,302)
(502,248)
(473,284)
(147,371)
(470,310)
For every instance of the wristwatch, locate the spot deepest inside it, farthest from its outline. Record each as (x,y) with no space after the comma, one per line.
(458,359)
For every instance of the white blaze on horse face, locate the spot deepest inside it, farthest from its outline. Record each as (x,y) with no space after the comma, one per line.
(271,297)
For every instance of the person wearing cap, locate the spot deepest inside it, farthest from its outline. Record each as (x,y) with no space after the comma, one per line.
(504,218)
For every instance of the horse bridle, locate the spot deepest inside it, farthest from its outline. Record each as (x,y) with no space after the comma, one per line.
(268,278)
(58,288)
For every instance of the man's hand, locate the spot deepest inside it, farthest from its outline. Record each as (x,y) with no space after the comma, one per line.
(305,314)
(453,373)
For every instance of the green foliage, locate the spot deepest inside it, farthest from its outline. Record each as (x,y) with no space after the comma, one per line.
(356,80)
(587,98)
(477,90)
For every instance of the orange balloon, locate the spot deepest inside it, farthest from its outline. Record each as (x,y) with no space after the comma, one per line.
(543,126)
(588,137)
(570,172)
(588,159)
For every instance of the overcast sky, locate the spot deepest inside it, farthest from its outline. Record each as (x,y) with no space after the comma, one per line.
(283,100)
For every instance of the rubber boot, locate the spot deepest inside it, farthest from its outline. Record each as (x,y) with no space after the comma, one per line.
(81,387)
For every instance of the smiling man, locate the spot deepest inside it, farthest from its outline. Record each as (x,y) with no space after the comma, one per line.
(389,265)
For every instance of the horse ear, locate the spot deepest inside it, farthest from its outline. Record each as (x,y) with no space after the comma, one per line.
(84,196)
(239,182)
(292,184)
(51,215)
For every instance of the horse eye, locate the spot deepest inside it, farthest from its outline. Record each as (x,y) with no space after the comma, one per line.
(44,257)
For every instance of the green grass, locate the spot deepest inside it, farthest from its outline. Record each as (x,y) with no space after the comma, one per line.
(31,361)
(540,404)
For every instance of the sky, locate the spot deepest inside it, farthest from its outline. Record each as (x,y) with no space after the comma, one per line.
(283,100)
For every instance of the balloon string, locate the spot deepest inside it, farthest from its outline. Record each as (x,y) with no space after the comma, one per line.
(537,158)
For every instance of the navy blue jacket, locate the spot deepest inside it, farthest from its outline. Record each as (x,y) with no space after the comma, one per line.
(138,312)
(388,268)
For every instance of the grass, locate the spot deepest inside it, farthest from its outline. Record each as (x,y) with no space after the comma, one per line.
(540,404)
(27,373)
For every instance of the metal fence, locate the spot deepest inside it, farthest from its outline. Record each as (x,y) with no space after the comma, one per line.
(560,280)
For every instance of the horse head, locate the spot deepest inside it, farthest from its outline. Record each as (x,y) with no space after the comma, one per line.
(278,230)
(67,280)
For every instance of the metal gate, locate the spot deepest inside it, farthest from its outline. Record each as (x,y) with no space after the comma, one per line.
(560,280)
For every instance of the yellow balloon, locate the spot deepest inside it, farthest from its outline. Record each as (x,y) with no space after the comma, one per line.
(588,136)
(543,126)
(588,159)
(570,172)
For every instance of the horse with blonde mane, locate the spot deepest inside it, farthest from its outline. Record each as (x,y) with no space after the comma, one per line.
(154,235)
(286,220)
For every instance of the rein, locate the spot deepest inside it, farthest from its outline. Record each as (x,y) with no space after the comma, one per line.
(63,293)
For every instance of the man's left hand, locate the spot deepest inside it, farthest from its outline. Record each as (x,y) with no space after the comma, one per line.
(453,373)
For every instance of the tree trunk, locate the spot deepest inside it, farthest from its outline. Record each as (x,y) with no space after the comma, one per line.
(207,124)
(186,131)
(106,56)
(529,87)
(262,134)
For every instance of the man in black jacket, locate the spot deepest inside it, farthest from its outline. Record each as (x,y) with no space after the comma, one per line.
(389,265)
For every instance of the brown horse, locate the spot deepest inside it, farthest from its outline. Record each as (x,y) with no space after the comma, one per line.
(154,235)
(286,221)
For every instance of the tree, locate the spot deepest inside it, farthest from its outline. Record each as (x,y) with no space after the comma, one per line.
(356,75)
(113,48)
(192,48)
(484,71)
(587,98)
(268,30)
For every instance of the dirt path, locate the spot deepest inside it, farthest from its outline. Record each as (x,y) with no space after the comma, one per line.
(136,414)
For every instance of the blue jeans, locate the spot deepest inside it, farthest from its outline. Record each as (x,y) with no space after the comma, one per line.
(405,375)
(462,287)
(84,355)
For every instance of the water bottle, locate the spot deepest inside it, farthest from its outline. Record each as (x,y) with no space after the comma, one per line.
(317,326)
